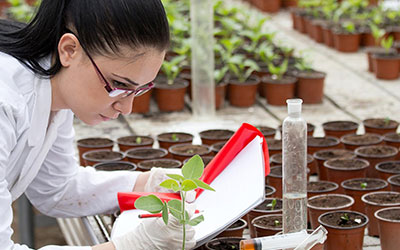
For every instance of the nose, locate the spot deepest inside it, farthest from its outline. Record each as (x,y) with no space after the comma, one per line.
(124,105)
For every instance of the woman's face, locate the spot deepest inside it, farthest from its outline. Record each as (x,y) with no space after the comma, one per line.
(80,87)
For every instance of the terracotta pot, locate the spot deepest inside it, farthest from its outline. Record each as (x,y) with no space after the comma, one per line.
(147,165)
(394,183)
(344,238)
(277,92)
(346,42)
(243,94)
(386,66)
(270,6)
(274,146)
(265,224)
(93,143)
(217,243)
(315,144)
(353,141)
(380,126)
(289,3)
(389,228)
(267,132)
(220,93)
(388,168)
(137,155)
(392,139)
(373,202)
(320,187)
(182,151)
(264,208)
(320,204)
(234,230)
(275,179)
(101,155)
(216,147)
(339,170)
(375,155)
(141,104)
(165,93)
(115,166)
(300,22)
(269,191)
(166,140)
(310,86)
(211,136)
(134,141)
(339,128)
(356,188)
(323,155)
(317,30)
(308,25)
(373,50)
(327,36)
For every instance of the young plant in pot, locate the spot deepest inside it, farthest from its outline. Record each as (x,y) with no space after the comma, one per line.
(380,125)
(221,84)
(386,64)
(166,140)
(170,87)
(346,38)
(188,181)
(310,84)
(243,85)
(278,86)
(133,141)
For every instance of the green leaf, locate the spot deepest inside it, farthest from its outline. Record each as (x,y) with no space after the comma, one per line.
(188,185)
(175,208)
(150,203)
(203,185)
(193,169)
(165,213)
(170,184)
(197,220)
(177,177)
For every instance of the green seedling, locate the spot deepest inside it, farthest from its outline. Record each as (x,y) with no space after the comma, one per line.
(387,43)
(303,65)
(364,185)
(277,223)
(272,204)
(278,71)
(190,151)
(345,218)
(220,73)
(386,121)
(173,67)
(174,137)
(241,67)
(377,33)
(21,11)
(188,181)
(265,52)
(138,140)
(349,27)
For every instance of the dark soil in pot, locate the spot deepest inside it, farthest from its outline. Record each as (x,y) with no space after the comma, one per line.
(375,155)
(224,243)
(182,151)
(320,187)
(268,132)
(102,155)
(383,197)
(234,230)
(212,136)
(387,169)
(137,155)
(353,141)
(89,144)
(327,154)
(274,146)
(380,125)
(159,163)
(166,140)
(216,147)
(392,139)
(315,144)
(269,190)
(133,141)
(336,219)
(394,183)
(267,225)
(115,166)
(339,128)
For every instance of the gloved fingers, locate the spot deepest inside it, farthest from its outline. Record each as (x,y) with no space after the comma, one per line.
(158,175)
(191,196)
(190,208)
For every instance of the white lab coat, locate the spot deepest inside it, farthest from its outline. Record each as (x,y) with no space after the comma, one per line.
(37,157)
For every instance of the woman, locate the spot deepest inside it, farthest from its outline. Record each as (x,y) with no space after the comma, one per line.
(87,58)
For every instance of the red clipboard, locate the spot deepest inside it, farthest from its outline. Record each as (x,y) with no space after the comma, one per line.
(239,140)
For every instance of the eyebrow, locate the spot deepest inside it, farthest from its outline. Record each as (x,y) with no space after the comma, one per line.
(127,79)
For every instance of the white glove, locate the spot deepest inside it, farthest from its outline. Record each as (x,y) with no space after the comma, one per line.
(158,175)
(154,234)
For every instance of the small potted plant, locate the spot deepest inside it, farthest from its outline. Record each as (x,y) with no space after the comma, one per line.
(353,141)
(211,136)
(134,141)
(320,187)
(92,143)
(137,155)
(380,125)
(268,206)
(386,64)
(169,86)
(345,229)
(101,155)
(346,38)
(375,201)
(278,86)
(166,140)
(339,128)
(115,166)
(267,225)
(182,151)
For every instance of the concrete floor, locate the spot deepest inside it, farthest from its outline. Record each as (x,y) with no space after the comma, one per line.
(351,93)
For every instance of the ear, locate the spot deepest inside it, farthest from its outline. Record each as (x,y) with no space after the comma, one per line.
(68,49)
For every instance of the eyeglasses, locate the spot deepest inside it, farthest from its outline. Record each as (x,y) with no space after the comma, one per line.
(113,91)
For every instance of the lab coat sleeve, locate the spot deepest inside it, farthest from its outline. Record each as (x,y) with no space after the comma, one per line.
(62,189)
(9,129)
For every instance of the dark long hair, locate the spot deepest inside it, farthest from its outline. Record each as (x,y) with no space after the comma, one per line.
(101,25)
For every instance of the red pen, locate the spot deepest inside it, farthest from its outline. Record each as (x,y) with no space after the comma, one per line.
(143,216)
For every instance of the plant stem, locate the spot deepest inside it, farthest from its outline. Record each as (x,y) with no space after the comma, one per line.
(183,216)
